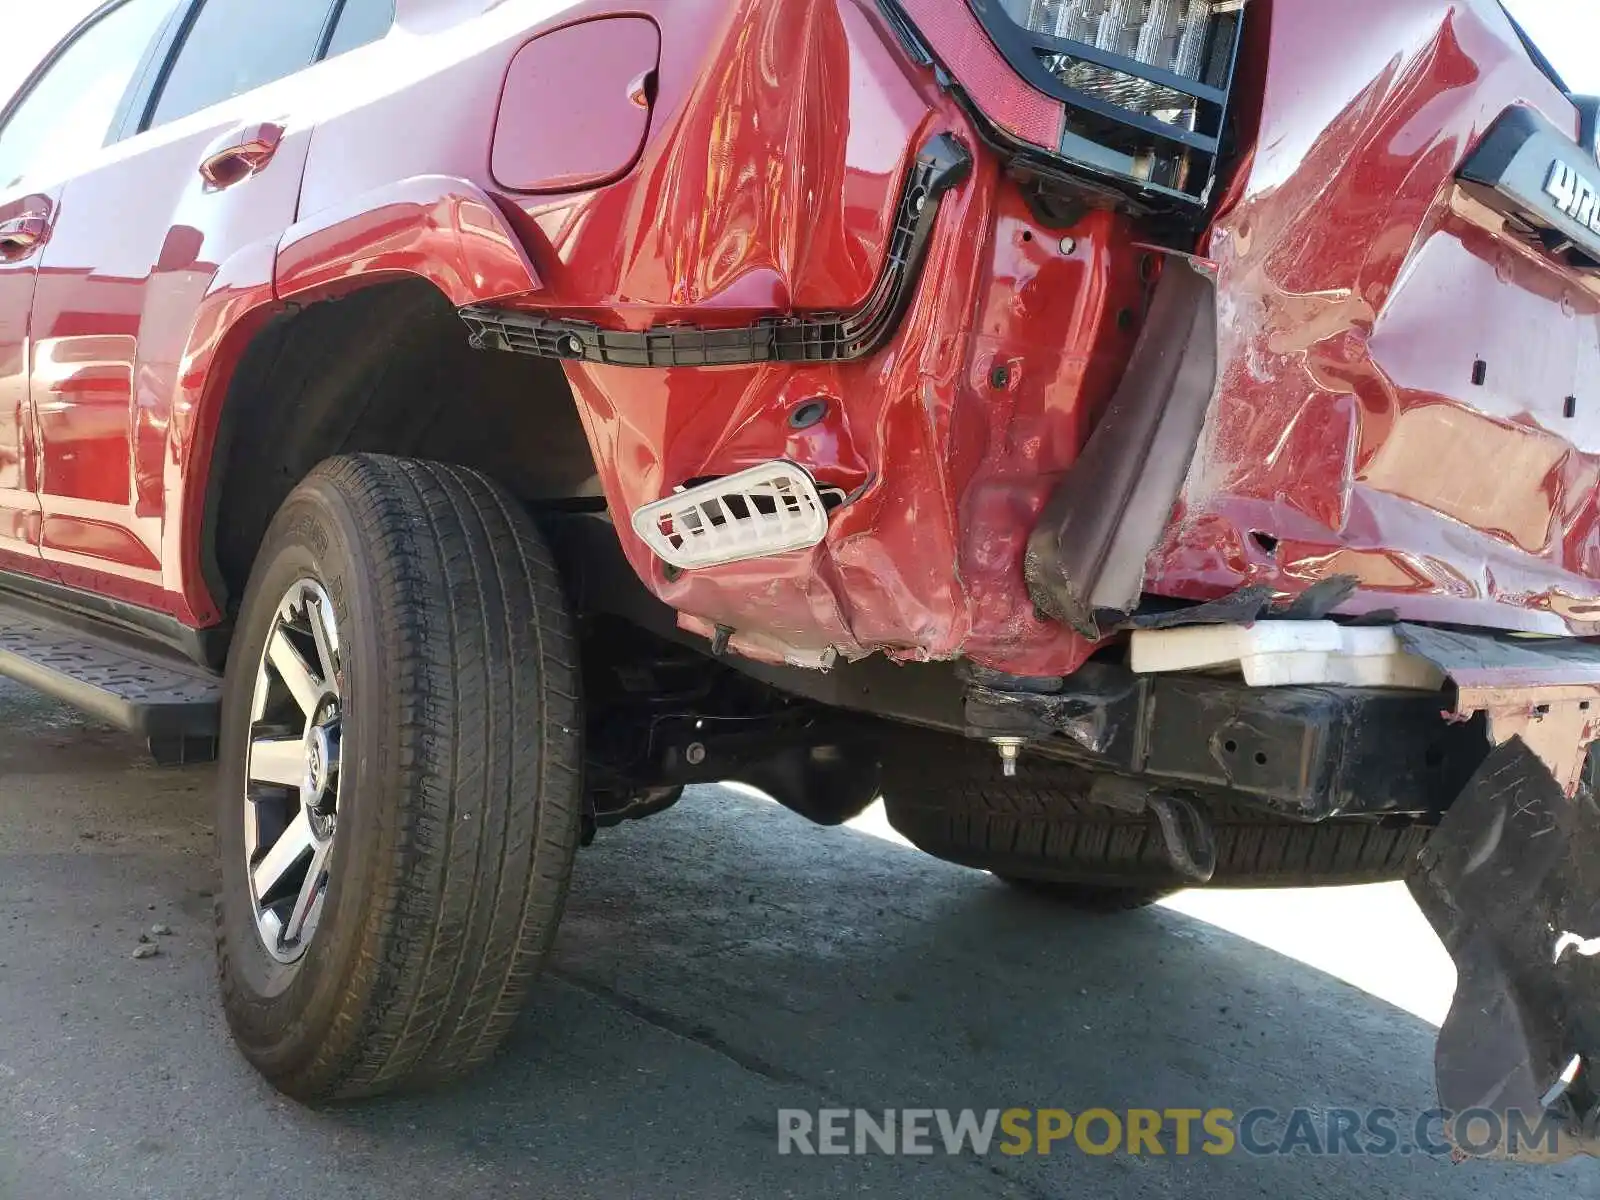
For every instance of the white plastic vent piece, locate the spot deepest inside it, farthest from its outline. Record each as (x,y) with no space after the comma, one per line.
(1276,653)
(765,510)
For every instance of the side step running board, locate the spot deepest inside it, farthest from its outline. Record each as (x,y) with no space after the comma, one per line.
(119,678)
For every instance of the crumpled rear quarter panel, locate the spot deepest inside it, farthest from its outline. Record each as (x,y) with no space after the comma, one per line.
(1357,293)
(781,138)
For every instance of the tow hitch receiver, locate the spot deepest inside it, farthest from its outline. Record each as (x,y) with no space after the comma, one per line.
(1510,881)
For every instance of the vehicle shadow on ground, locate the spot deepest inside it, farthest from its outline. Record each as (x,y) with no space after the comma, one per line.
(717,963)
(728,959)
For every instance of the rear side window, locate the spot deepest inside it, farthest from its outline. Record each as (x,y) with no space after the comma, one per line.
(70,109)
(360,22)
(235,45)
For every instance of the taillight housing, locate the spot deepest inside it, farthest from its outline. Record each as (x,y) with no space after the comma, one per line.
(1145,83)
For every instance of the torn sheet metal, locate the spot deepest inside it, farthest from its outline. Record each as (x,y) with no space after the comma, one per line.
(1544,690)
(1511,882)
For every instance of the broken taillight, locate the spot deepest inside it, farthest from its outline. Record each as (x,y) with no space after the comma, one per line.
(1145,82)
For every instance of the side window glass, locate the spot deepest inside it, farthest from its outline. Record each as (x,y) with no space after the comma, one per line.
(70,108)
(235,45)
(360,22)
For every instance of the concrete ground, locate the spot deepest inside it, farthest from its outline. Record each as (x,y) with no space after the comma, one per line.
(718,963)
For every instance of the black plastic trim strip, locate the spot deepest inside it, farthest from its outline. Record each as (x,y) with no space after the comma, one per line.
(909,37)
(942,164)
(1519,169)
(1538,55)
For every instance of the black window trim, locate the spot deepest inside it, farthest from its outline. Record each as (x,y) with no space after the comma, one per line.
(115,131)
(332,29)
(144,111)
(329,28)
(1534,52)
(172,43)
(151,75)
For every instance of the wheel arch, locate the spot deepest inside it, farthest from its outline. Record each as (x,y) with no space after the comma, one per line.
(384,251)
(384,367)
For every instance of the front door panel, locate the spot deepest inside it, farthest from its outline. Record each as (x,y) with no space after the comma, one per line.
(19,506)
(138,245)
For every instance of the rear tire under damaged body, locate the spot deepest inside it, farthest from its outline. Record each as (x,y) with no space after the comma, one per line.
(948,795)
(456,817)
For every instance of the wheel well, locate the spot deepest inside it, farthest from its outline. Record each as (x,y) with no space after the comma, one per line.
(386,369)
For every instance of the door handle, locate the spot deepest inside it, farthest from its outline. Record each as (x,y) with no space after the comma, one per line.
(238,155)
(21,236)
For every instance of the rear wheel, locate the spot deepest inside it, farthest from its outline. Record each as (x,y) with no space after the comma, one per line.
(400,787)
(1039,830)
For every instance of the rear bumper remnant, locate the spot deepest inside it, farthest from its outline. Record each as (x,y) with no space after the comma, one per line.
(1087,553)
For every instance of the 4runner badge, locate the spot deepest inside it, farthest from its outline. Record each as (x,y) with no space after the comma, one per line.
(1574,194)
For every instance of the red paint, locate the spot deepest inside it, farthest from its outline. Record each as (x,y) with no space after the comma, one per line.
(135,247)
(447,231)
(561,130)
(1355,294)
(239,300)
(780,136)
(19,498)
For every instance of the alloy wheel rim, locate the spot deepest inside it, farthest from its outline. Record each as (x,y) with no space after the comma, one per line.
(292,777)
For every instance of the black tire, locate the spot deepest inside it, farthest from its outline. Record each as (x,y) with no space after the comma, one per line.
(460,796)
(948,796)
(1100,899)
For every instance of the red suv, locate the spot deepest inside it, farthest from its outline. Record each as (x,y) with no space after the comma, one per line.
(1148,442)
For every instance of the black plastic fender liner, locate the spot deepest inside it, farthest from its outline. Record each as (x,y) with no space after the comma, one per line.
(1086,555)
(1510,880)
(941,165)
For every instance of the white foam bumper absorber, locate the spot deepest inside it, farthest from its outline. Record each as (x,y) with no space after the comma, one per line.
(1275,653)
(766,510)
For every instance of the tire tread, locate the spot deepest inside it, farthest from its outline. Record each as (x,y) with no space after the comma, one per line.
(948,796)
(483,705)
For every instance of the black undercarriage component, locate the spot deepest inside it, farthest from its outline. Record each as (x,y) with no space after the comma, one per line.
(1303,753)
(808,760)
(181,751)
(1510,880)
(1186,832)
(814,337)
(1067,823)
(663,716)
(1086,556)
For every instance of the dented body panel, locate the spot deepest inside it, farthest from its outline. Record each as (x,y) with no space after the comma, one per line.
(1359,292)
(1394,372)
(851,285)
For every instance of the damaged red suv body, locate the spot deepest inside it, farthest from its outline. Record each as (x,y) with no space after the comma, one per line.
(913,358)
